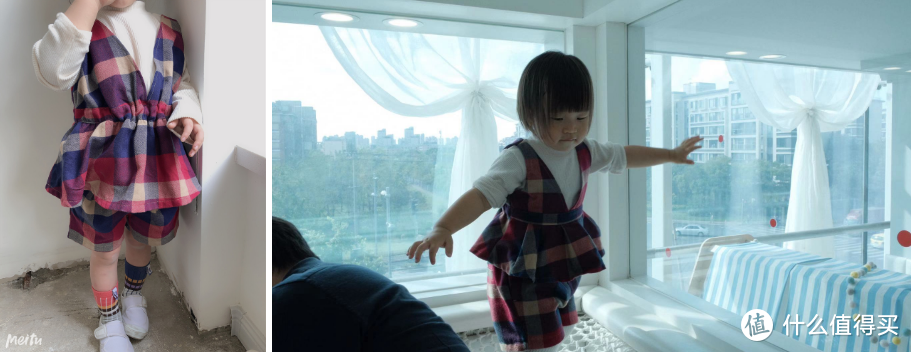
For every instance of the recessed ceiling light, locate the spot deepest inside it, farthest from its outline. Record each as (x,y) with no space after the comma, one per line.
(736,53)
(402,22)
(772,57)
(336,16)
(892,68)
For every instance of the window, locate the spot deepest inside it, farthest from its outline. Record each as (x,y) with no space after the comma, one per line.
(786,142)
(374,181)
(736,99)
(741,190)
(744,144)
(743,128)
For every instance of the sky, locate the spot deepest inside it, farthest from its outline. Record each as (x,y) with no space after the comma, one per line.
(302,67)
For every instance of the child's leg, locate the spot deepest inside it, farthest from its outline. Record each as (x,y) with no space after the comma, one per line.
(137,265)
(103,273)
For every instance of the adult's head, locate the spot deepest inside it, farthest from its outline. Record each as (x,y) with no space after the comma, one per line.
(288,248)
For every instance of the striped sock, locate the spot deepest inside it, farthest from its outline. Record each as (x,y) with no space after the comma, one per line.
(134,278)
(108,304)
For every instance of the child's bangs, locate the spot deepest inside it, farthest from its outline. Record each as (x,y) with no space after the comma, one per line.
(568,88)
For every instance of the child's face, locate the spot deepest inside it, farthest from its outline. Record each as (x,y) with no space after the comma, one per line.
(567,130)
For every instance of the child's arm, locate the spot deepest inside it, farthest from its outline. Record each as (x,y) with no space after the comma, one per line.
(465,210)
(639,156)
(58,56)
(186,118)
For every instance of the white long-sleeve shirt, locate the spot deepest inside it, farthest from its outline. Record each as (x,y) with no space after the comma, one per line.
(508,171)
(58,56)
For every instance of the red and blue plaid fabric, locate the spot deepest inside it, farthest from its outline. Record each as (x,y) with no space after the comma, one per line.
(119,148)
(537,249)
(530,315)
(534,235)
(101,229)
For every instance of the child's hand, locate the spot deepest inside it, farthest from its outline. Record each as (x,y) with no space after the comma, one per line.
(438,237)
(680,155)
(190,132)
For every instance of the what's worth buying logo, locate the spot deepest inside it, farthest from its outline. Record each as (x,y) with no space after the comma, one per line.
(756,325)
(24,340)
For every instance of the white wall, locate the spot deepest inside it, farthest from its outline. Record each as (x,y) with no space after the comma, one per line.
(33,224)
(180,258)
(225,262)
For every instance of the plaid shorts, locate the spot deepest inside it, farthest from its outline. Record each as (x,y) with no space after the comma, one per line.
(530,315)
(101,230)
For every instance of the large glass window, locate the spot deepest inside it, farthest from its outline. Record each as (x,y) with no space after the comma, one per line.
(745,188)
(362,183)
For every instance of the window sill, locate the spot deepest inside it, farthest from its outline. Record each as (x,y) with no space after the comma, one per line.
(475,314)
(453,290)
(703,321)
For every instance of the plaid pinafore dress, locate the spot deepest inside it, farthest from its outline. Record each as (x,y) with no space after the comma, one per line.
(119,150)
(536,251)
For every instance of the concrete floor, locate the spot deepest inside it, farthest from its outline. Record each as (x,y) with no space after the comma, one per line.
(58,307)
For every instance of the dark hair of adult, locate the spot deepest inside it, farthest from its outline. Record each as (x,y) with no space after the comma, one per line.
(288,246)
(552,83)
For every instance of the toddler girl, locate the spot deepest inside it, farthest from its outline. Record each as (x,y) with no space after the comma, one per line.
(120,166)
(540,242)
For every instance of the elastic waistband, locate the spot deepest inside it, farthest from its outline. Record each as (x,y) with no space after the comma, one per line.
(544,218)
(139,110)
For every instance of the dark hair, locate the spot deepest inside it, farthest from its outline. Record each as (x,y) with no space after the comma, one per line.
(288,245)
(553,82)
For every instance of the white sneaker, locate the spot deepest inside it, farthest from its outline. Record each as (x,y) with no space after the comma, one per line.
(135,318)
(112,337)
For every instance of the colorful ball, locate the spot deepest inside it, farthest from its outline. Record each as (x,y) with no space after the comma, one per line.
(897,340)
(855,275)
(851,280)
(850,291)
(907,332)
(868,267)
(874,339)
(865,269)
(853,304)
(856,316)
(884,343)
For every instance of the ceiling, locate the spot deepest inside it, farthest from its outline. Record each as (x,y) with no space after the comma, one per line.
(540,14)
(847,34)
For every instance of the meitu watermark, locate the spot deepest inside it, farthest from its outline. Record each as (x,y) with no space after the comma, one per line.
(24,340)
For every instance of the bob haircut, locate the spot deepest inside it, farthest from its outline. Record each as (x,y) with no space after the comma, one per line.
(552,83)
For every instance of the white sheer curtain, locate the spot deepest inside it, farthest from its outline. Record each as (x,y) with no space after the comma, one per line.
(812,101)
(421,75)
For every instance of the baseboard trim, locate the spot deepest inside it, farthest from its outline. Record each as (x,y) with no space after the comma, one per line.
(246,332)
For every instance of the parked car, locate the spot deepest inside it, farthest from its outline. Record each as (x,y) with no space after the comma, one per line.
(876,241)
(692,230)
(856,216)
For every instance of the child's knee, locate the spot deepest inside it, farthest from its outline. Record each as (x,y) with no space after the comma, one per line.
(105,258)
(132,243)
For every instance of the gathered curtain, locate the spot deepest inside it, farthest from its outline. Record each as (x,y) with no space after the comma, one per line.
(813,101)
(421,75)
